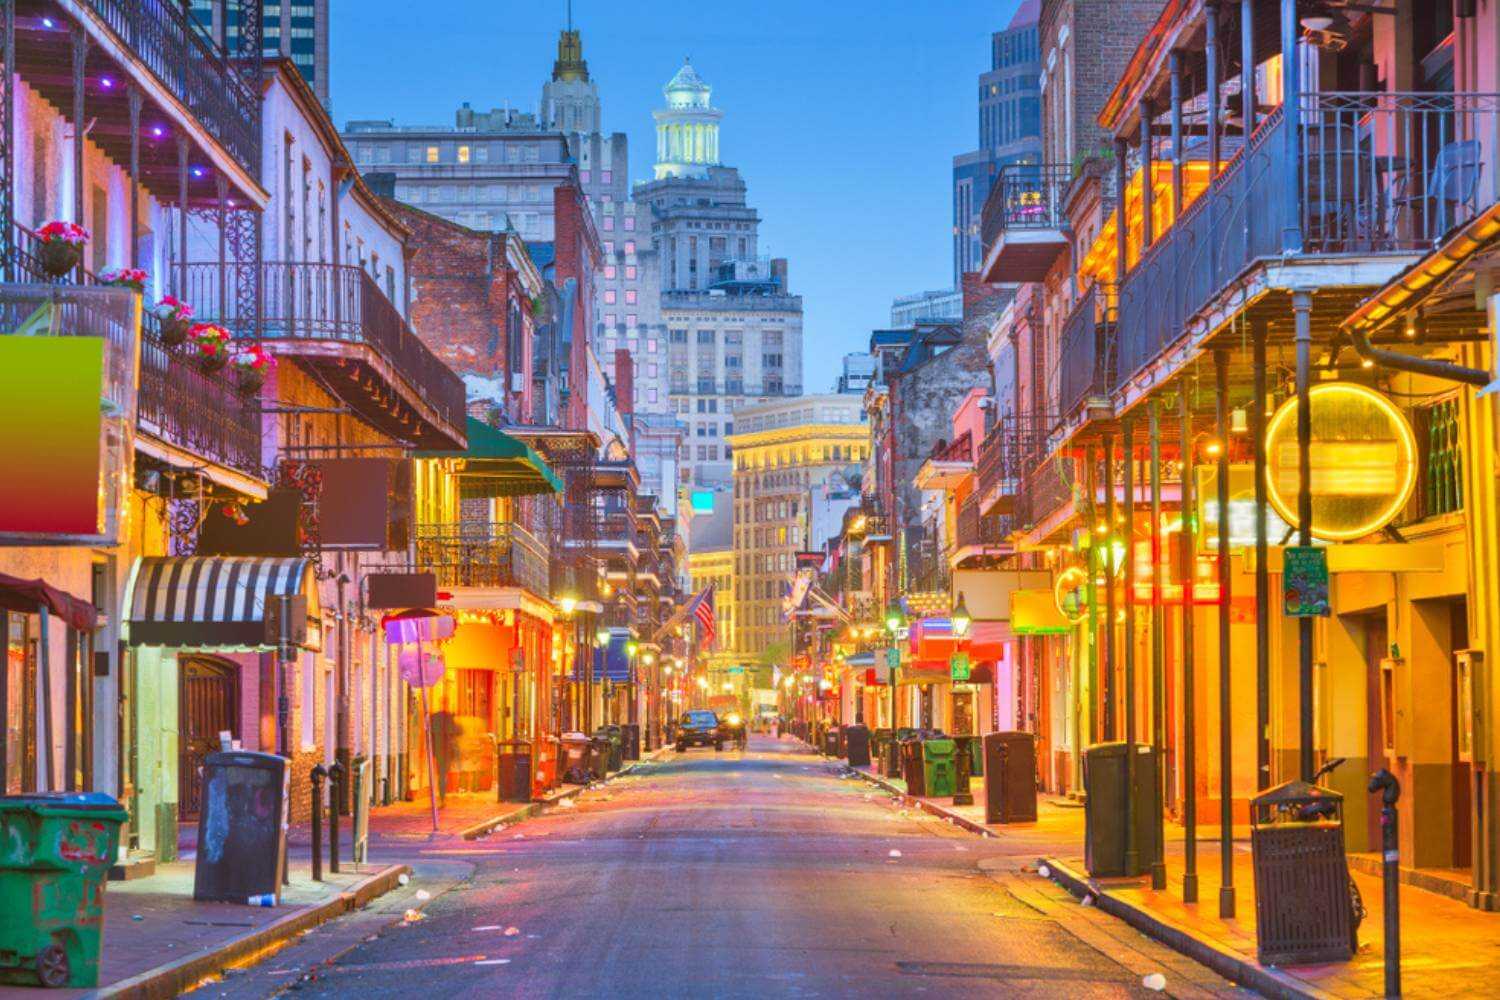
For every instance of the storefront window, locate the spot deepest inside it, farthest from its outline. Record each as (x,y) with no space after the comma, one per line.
(18,697)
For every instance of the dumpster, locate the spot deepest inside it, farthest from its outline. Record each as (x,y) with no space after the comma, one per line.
(513,771)
(1303,910)
(630,735)
(1009,778)
(577,762)
(938,774)
(912,767)
(614,755)
(857,745)
(878,740)
(55,851)
(241,826)
(1104,809)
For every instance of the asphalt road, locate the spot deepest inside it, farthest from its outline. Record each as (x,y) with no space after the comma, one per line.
(755,874)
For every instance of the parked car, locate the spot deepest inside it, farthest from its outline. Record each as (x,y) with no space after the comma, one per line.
(699,728)
(732,728)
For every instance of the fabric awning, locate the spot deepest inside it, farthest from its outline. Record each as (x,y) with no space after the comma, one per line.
(498,465)
(28,596)
(933,639)
(216,602)
(987,640)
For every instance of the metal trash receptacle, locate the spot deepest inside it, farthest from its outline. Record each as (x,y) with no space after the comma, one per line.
(1009,777)
(1303,913)
(913,770)
(576,766)
(513,771)
(614,736)
(241,826)
(1104,809)
(938,766)
(599,756)
(630,735)
(55,852)
(857,745)
(976,754)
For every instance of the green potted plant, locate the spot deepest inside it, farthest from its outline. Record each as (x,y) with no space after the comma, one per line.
(61,247)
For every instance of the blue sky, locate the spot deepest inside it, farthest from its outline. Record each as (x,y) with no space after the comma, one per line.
(842,116)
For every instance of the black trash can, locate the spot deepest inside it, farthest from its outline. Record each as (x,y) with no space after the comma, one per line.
(912,769)
(631,734)
(241,826)
(576,763)
(857,745)
(601,750)
(1009,778)
(1104,809)
(513,771)
(1302,906)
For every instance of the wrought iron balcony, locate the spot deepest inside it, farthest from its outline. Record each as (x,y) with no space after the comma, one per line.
(484,555)
(974,529)
(329,314)
(1023,223)
(1379,173)
(1087,352)
(177,401)
(1046,489)
(1010,449)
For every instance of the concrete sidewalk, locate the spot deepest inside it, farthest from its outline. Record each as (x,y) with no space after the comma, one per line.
(1449,950)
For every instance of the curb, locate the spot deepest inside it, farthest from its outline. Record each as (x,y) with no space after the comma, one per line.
(923,804)
(530,809)
(175,978)
(1232,966)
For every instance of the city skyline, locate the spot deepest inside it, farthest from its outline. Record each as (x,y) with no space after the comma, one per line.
(847,283)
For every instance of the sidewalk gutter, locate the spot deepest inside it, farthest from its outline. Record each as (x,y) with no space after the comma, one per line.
(529,809)
(926,806)
(175,978)
(1236,968)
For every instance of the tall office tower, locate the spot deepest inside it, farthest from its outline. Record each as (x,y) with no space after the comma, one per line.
(1010,130)
(295,29)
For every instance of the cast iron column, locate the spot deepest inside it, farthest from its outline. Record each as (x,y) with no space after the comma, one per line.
(1175,63)
(1302,312)
(1091,593)
(1262,571)
(1109,587)
(1158,641)
(1132,846)
(1189,721)
(1226,700)
(1247,65)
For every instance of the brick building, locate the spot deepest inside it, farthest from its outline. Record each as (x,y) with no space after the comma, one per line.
(577,257)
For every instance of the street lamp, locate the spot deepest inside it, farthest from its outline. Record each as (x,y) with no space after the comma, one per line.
(895,620)
(568,603)
(961,617)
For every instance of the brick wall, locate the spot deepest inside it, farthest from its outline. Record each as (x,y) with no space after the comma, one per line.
(1101,37)
(578,256)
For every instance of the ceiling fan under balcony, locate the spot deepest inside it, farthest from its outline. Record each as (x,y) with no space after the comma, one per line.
(1326,25)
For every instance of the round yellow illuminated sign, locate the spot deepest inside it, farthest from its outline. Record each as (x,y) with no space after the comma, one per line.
(1363,461)
(1068,592)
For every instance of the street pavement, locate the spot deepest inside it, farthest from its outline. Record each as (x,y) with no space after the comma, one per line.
(767,873)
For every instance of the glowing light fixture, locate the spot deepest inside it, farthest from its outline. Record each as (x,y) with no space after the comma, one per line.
(894,618)
(1068,592)
(602,636)
(961,617)
(568,603)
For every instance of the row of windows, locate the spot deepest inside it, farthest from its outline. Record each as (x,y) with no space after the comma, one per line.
(416,194)
(776,458)
(366,152)
(767,562)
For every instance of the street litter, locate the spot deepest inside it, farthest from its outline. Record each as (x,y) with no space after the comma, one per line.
(493,961)
(1044,871)
(567,804)
(1155,982)
(423,895)
(894,853)
(403,878)
(414,916)
(512,931)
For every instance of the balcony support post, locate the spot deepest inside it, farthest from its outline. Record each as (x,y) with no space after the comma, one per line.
(1302,313)
(80,126)
(133,100)
(1148,196)
(1226,701)
(7,143)
(1291,125)
(336,244)
(1107,539)
(1189,710)
(1211,84)
(1247,65)
(182,212)
(1091,589)
(1127,449)
(1158,638)
(1262,571)
(1175,64)
(221,210)
(1122,219)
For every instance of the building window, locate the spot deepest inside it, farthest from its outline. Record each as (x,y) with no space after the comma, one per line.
(463,154)
(630,296)
(630,318)
(609,296)
(629,248)
(630,272)
(606,176)
(630,223)
(583,176)
(609,271)
(609,223)
(432,154)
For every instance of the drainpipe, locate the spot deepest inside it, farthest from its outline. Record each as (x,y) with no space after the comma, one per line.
(1435,367)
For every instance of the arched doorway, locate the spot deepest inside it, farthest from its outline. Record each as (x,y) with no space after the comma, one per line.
(208,703)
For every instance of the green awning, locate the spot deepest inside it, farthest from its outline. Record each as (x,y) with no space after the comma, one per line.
(498,465)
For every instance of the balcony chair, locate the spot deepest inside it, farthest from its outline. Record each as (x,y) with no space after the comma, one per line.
(1452,184)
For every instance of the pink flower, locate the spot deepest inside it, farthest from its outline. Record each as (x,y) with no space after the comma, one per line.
(62,231)
(209,338)
(125,277)
(254,357)
(171,307)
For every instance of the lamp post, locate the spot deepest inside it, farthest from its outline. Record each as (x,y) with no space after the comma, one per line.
(962,763)
(895,618)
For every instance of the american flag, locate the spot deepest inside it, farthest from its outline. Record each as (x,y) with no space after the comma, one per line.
(702,609)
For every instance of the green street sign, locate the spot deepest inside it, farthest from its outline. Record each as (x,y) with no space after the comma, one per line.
(736,670)
(1304,581)
(893,657)
(960,666)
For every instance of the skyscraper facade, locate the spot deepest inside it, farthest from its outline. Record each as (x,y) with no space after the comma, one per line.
(294,29)
(1010,130)
(734,330)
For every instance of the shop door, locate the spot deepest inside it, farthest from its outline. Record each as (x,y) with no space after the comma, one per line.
(207,704)
(1463,771)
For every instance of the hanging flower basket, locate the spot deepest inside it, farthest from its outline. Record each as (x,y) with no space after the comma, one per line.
(176,319)
(251,364)
(212,344)
(61,247)
(132,278)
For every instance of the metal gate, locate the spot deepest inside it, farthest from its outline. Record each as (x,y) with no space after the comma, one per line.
(207,704)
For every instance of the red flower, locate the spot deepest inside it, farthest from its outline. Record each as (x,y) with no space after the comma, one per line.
(62,231)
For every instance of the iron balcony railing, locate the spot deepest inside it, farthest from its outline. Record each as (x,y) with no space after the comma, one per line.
(974,528)
(176,400)
(1046,488)
(1010,449)
(483,555)
(1087,350)
(160,33)
(318,302)
(960,449)
(1025,196)
(1378,173)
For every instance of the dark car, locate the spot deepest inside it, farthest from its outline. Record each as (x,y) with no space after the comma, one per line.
(732,729)
(699,728)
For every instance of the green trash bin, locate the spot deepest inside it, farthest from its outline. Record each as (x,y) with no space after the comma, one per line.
(938,767)
(615,737)
(55,852)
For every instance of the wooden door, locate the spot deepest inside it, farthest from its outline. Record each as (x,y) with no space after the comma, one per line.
(207,704)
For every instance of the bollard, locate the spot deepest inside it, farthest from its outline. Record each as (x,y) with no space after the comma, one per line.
(962,795)
(1385,782)
(335,796)
(318,774)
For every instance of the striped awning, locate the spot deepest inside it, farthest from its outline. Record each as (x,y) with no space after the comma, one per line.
(215,602)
